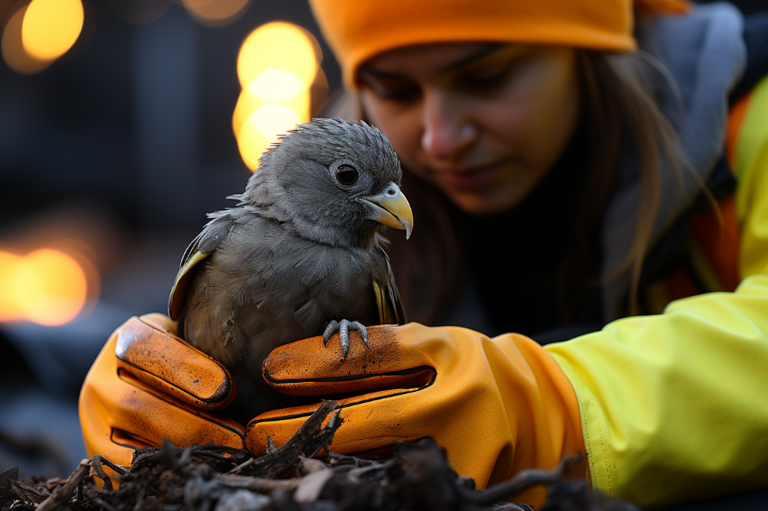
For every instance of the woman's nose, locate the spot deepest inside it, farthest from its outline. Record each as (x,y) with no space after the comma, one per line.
(448,129)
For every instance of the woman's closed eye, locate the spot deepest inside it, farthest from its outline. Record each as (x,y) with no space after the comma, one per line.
(494,70)
(486,78)
(390,89)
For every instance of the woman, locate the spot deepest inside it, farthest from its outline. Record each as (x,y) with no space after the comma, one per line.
(560,180)
(479,140)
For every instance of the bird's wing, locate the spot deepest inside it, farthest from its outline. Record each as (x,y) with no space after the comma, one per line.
(201,247)
(388,300)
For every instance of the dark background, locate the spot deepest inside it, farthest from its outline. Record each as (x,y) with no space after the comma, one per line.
(124,143)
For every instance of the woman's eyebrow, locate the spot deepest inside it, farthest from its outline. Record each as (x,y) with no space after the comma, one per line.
(473,57)
(379,74)
(463,61)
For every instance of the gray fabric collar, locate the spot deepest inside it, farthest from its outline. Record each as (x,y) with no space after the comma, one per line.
(705,54)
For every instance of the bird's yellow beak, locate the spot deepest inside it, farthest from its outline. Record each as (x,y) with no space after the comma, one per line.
(391,208)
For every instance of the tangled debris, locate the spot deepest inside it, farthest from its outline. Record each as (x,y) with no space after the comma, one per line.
(217,478)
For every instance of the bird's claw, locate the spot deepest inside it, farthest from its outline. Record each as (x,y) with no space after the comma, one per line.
(343,327)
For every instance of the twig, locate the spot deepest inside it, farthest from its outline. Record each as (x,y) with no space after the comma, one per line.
(257,484)
(63,493)
(121,470)
(307,441)
(336,459)
(96,467)
(361,471)
(520,482)
(241,466)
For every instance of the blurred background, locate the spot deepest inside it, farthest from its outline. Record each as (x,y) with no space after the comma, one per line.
(122,122)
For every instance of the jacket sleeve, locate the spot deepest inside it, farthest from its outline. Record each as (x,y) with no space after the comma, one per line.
(674,407)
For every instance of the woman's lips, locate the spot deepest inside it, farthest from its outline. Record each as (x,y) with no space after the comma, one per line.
(472,178)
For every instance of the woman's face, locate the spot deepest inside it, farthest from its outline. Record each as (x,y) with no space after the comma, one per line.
(482,122)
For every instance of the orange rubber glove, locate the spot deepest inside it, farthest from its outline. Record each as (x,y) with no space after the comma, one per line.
(497,406)
(146,385)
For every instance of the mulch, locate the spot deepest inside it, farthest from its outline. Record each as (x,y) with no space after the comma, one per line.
(297,476)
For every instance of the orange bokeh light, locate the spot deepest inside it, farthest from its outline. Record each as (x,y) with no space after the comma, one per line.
(248,103)
(51,27)
(216,13)
(262,128)
(277,66)
(278,45)
(14,54)
(10,266)
(47,286)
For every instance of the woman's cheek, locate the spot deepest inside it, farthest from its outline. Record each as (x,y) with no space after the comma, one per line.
(405,136)
(508,124)
(396,122)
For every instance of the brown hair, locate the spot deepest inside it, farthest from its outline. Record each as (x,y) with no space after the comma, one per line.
(617,99)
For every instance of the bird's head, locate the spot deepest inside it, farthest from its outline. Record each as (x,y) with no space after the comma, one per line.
(337,181)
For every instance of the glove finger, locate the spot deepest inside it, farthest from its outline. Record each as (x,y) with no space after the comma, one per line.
(310,368)
(281,425)
(152,416)
(163,361)
(161,321)
(139,416)
(119,413)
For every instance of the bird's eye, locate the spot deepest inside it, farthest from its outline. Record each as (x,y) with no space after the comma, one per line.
(346,175)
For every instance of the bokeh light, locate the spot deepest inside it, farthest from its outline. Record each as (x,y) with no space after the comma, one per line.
(276,85)
(10,266)
(278,45)
(262,128)
(14,54)
(47,286)
(248,103)
(51,27)
(279,69)
(216,13)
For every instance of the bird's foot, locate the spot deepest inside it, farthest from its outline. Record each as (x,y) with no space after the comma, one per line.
(343,327)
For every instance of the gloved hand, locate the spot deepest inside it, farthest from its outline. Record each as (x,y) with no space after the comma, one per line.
(146,385)
(497,406)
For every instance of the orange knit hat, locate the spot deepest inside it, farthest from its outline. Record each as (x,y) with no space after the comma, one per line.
(357,30)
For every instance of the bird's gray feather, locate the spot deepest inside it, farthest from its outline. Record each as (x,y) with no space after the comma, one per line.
(394,303)
(212,234)
(295,252)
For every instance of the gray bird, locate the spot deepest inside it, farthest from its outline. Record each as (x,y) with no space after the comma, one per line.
(298,256)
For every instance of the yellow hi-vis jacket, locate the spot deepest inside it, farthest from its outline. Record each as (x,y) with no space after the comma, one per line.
(674,406)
